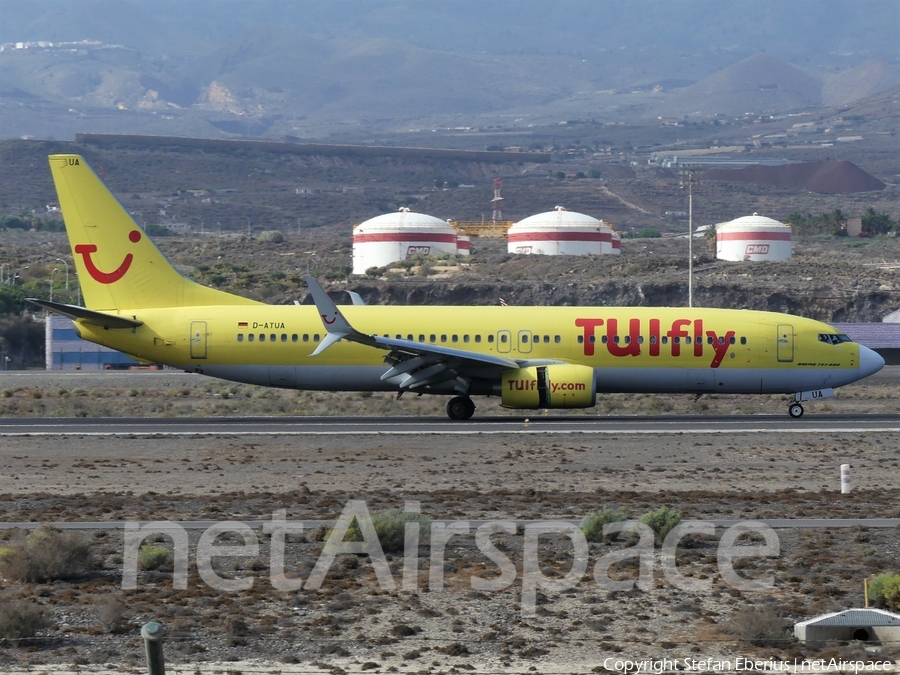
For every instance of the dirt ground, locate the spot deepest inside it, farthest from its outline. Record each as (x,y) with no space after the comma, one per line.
(353,624)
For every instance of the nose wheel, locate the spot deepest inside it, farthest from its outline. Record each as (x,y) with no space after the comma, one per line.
(460,408)
(795,410)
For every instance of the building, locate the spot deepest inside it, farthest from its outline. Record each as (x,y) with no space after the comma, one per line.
(397,236)
(562,232)
(753,238)
(66,351)
(851,624)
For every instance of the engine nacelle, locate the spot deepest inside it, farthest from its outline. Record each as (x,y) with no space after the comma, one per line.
(555,386)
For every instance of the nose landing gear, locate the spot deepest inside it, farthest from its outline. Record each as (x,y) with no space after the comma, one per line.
(795,409)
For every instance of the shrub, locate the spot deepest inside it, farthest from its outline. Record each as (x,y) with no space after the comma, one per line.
(759,627)
(884,590)
(20,620)
(152,557)
(592,524)
(390,526)
(46,555)
(270,237)
(111,614)
(662,521)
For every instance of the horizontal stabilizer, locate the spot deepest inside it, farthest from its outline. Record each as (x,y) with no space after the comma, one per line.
(88,315)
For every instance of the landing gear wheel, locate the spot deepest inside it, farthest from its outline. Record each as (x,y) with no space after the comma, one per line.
(795,410)
(460,408)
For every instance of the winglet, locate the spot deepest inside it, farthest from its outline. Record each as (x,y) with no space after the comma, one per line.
(336,326)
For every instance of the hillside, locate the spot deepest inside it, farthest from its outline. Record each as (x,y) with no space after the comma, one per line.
(825,177)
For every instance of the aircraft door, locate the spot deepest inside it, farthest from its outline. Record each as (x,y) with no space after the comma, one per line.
(525,339)
(504,341)
(198,339)
(785,339)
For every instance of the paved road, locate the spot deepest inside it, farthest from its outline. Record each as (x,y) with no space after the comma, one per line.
(539,424)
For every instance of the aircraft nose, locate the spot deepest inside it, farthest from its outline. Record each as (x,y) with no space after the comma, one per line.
(869,362)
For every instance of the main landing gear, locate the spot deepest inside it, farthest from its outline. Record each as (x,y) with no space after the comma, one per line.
(795,410)
(460,408)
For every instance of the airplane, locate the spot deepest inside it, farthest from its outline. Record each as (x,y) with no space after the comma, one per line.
(136,302)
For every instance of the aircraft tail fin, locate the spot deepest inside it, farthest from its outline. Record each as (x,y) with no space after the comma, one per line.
(118,266)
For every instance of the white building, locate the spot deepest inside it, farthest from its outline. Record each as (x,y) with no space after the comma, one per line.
(753,238)
(562,232)
(851,624)
(397,236)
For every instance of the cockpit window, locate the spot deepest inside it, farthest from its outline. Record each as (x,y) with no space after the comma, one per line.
(833,338)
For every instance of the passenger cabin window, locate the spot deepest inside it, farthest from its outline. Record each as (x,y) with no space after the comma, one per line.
(557,339)
(250,337)
(294,337)
(503,339)
(306,337)
(581,339)
(316,337)
(477,338)
(743,340)
(454,338)
(284,337)
(525,338)
(421,338)
(262,337)
(240,337)
(490,338)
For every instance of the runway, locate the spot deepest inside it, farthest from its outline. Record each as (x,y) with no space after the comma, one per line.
(360,426)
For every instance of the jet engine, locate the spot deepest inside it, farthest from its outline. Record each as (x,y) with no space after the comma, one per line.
(554,386)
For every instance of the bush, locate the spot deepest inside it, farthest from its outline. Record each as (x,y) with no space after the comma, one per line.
(270,237)
(592,524)
(662,521)
(884,590)
(20,620)
(47,555)
(759,627)
(111,614)
(390,526)
(153,557)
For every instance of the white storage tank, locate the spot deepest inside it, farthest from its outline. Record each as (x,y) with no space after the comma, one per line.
(397,236)
(753,238)
(616,243)
(560,232)
(463,244)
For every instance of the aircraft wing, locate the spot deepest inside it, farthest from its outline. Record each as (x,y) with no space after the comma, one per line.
(412,364)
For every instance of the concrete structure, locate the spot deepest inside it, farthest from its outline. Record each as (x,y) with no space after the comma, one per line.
(562,232)
(397,236)
(66,351)
(851,624)
(753,238)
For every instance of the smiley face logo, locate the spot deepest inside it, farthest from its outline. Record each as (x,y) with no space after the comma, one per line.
(85,250)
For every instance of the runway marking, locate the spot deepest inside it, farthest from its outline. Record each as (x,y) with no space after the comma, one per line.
(462,432)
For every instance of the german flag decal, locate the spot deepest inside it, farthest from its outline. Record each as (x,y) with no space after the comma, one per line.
(242,324)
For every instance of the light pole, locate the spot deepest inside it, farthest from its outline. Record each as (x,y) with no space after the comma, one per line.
(687,178)
(67,271)
(55,270)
